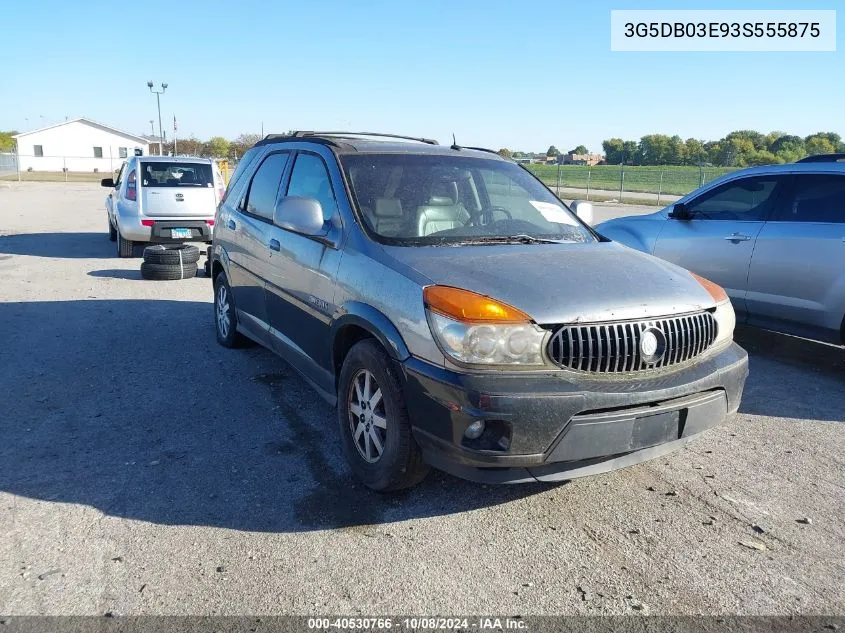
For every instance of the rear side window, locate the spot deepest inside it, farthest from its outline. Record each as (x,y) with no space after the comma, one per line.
(176,174)
(748,199)
(264,188)
(243,166)
(816,198)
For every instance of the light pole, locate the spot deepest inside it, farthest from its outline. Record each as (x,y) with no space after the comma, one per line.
(158,94)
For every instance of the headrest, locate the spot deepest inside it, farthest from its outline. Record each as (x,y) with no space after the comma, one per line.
(441,201)
(388,208)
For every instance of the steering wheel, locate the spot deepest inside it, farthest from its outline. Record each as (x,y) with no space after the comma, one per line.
(503,210)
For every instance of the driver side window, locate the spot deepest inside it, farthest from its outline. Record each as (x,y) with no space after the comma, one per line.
(747,199)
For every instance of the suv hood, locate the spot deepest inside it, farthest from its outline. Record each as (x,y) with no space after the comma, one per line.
(563,283)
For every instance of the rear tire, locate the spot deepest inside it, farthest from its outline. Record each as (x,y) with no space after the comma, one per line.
(225,315)
(167,272)
(125,248)
(370,402)
(172,254)
(112,231)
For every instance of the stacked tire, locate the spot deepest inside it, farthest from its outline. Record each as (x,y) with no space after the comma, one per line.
(170,261)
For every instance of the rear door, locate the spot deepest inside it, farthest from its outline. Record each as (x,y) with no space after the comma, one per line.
(249,253)
(177,189)
(718,240)
(796,281)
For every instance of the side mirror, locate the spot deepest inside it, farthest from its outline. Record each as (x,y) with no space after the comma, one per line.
(680,212)
(107,182)
(300,215)
(583,210)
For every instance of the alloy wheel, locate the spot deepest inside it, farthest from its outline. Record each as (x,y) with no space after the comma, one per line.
(367,418)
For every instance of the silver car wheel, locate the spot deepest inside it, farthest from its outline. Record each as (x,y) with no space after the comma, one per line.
(367,418)
(223,320)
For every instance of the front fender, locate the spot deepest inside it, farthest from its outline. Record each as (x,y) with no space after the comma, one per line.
(630,234)
(373,321)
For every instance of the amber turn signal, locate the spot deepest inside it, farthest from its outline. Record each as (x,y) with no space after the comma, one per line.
(470,307)
(716,291)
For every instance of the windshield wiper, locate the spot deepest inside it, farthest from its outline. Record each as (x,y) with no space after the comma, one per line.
(522,238)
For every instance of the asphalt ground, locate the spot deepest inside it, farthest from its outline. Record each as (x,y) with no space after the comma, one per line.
(146,470)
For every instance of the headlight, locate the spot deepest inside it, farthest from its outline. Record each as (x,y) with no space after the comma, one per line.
(724,314)
(477,330)
(725,323)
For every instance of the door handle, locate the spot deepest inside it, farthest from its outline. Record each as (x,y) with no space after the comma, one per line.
(737,237)
(275,246)
(231,225)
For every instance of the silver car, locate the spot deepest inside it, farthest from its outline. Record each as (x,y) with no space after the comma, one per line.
(773,237)
(162,199)
(460,316)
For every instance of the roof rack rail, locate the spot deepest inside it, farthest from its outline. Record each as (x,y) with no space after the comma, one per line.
(304,133)
(484,149)
(823,158)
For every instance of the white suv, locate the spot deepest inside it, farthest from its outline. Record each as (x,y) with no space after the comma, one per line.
(162,199)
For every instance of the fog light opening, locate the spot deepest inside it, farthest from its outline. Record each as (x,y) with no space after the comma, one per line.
(474,430)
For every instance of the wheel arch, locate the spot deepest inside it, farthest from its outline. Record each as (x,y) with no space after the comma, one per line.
(359,321)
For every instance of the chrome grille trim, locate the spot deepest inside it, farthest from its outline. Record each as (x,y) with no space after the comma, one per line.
(614,347)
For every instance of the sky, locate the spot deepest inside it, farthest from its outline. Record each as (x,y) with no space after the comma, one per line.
(495,73)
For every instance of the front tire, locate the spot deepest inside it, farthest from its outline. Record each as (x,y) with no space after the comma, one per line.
(225,315)
(112,231)
(374,422)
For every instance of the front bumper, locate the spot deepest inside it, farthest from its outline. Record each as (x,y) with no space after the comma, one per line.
(132,229)
(558,425)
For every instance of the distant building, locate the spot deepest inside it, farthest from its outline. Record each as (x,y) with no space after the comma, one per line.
(582,159)
(77,145)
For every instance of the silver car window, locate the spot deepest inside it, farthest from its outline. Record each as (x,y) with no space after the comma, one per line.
(816,198)
(747,199)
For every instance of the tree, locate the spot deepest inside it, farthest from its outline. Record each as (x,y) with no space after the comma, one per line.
(822,143)
(580,150)
(240,145)
(694,151)
(505,153)
(7,143)
(629,153)
(552,151)
(613,150)
(216,146)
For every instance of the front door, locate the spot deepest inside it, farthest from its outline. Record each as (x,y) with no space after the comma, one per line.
(718,239)
(301,278)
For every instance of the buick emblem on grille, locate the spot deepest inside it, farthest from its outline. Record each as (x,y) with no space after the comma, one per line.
(650,344)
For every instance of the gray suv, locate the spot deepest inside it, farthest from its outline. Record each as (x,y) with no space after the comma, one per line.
(461,316)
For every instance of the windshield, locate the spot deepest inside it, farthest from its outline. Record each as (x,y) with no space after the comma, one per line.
(434,199)
(176,174)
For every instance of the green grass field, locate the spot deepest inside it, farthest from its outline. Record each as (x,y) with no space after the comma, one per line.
(670,180)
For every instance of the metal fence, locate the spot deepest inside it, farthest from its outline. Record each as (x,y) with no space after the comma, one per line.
(625,183)
(30,167)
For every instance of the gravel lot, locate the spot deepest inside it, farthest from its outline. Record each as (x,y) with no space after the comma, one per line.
(146,470)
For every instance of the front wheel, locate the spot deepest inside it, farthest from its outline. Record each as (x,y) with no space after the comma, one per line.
(112,231)
(374,422)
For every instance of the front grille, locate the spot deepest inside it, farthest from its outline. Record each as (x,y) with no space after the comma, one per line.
(617,346)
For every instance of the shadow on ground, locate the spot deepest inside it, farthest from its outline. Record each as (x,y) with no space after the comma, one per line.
(62,245)
(792,377)
(130,406)
(117,273)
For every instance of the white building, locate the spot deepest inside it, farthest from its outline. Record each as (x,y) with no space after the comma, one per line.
(77,145)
